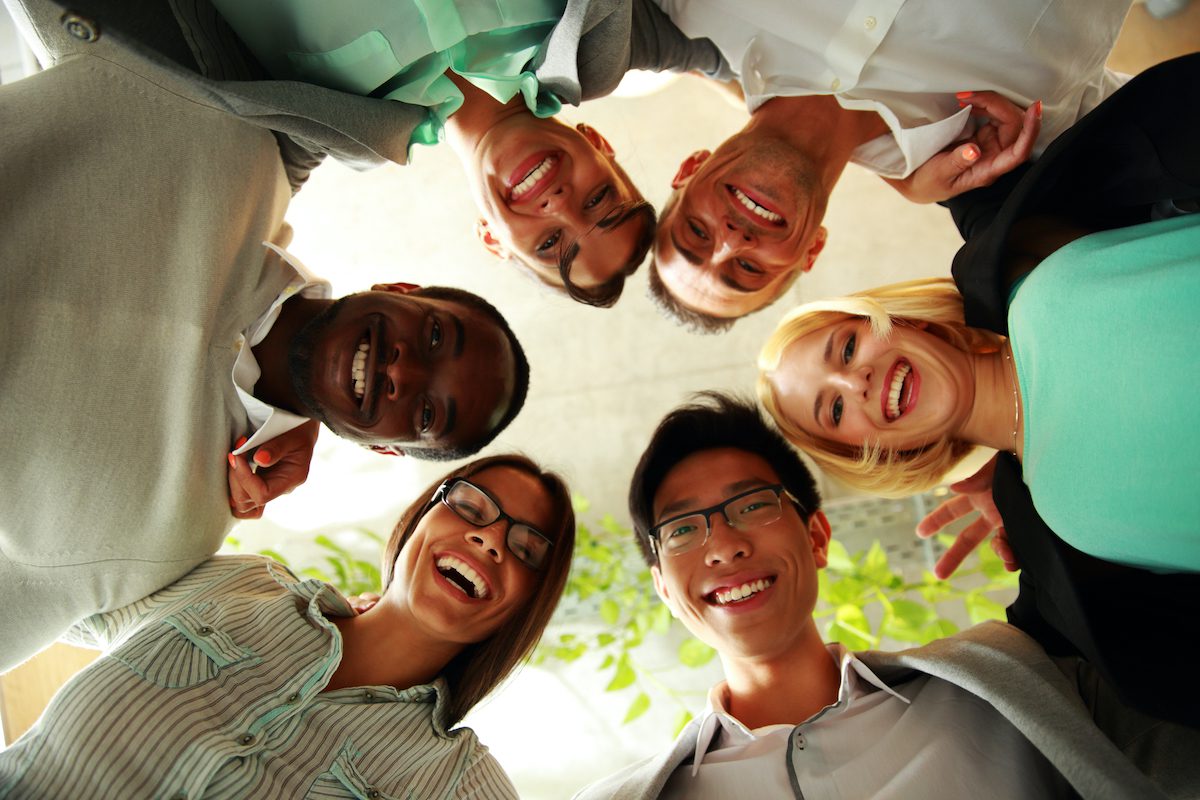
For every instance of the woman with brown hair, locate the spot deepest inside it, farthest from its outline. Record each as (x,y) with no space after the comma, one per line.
(240,681)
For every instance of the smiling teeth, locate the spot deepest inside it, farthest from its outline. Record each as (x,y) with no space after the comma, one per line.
(358,369)
(535,175)
(769,216)
(898,377)
(452,564)
(741,592)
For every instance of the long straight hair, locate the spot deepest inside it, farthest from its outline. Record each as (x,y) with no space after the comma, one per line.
(481,667)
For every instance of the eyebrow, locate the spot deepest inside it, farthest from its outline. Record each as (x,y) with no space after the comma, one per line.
(612,221)
(820,395)
(691,502)
(458,334)
(690,256)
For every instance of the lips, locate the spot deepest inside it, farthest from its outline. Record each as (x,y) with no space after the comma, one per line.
(899,394)
(365,371)
(533,176)
(736,590)
(753,207)
(462,577)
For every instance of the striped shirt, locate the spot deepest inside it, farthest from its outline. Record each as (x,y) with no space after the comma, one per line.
(211,688)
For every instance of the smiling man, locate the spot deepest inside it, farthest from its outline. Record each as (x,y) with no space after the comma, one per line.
(728,518)
(919,76)
(151,323)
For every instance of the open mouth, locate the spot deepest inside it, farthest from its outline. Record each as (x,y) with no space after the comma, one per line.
(532,177)
(731,595)
(365,368)
(754,206)
(461,576)
(900,391)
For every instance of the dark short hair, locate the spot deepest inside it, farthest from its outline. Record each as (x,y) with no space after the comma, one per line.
(485,309)
(714,421)
(481,667)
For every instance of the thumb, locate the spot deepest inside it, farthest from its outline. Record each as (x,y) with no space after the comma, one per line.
(966,156)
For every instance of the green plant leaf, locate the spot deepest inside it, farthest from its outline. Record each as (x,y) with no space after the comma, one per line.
(637,708)
(580,503)
(681,722)
(875,565)
(838,558)
(695,653)
(981,608)
(605,639)
(275,554)
(622,677)
(610,611)
(606,663)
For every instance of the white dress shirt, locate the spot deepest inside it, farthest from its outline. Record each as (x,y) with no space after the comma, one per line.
(266,420)
(923,738)
(906,59)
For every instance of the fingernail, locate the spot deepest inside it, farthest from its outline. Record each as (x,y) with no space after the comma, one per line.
(1037,109)
(240,442)
(970,152)
(232,461)
(964,95)
(262,458)
(963,104)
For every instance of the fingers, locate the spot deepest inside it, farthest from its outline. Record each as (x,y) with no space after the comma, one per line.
(246,490)
(947,513)
(1001,548)
(966,541)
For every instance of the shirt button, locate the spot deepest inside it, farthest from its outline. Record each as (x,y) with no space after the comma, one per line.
(204,630)
(293,697)
(373,793)
(799,740)
(246,739)
(835,84)
(81,28)
(869,23)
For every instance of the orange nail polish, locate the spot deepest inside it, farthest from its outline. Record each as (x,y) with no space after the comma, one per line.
(970,152)
(1038,109)
(232,461)
(262,458)
(240,442)
(963,95)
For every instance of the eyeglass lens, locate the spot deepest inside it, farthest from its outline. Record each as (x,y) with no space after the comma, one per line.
(476,507)
(744,511)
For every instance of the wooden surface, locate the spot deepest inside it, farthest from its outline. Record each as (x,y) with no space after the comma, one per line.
(25,691)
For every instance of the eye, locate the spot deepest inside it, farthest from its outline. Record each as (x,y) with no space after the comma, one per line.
(835,411)
(550,242)
(746,266)
(697,230)
(752,507)
(435,335)
(682,530)
(469,511)
(596,199)
(848,349)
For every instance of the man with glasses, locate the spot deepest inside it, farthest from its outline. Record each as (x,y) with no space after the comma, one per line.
(728,518)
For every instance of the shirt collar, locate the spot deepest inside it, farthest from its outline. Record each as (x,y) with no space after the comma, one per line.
(857,680)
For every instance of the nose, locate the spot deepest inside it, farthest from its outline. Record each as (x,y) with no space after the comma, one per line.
(490,539)
(855,382)
(732,240)
(554,199)
(725,542)
(405,372)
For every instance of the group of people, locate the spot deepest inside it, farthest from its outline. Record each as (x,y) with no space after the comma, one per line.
(147,171)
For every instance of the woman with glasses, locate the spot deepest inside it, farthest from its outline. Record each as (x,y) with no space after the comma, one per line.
(240,681)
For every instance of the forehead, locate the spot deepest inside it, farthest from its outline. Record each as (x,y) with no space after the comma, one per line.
(520,495)
(707,477)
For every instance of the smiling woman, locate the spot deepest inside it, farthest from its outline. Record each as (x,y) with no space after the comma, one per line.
(240,681)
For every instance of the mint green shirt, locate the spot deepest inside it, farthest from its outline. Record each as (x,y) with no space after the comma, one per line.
(402,49)
(1105,342)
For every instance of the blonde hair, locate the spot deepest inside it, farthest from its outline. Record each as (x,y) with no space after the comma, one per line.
(932,303)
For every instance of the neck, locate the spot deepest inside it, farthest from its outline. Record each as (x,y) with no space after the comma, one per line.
(784,688)
(479,113)
(388,628)
(274,385)
(819,128)
(996,419)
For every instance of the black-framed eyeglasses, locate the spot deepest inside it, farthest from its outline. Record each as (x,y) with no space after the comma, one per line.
(474,505)
(744,511)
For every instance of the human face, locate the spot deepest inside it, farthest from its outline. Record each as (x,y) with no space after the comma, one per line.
(775,564)
(745,223)
(844,384)
(386,367)
(543,189)
(461,581)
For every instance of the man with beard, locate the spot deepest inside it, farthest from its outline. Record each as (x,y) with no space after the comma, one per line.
(151,320)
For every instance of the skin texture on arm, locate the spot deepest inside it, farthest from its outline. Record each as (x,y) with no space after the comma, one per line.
(1001,143)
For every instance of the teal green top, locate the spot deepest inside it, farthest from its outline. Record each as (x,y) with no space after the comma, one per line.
(401,49)
(1104,339)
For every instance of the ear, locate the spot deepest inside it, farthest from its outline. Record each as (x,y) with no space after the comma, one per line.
(490,243)
(384,449)
(398,288)
(818,536)
(688,168)
(595,139)
(660,586)
(814,249)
